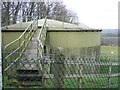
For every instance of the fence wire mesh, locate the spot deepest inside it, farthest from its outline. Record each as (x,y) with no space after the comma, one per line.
(58,71)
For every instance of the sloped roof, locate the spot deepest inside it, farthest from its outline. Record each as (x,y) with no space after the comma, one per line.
(55,25)
(59,24)
(52,25)
(17,26)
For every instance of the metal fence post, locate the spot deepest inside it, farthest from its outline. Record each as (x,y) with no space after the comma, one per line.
(0,55)
(58,71)
(109,78)
(0,65)
(43,72)
(80,78)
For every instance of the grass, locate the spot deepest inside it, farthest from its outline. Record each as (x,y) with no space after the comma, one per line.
(109,56)
(96,82)
(109,53)
(105,69)
(9,82)
(68,83)
(93,82)
(109,50)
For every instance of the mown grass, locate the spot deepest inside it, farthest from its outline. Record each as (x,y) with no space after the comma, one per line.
(93,82)
(109,50)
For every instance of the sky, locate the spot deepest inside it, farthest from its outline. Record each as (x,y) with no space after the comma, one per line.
(100,14)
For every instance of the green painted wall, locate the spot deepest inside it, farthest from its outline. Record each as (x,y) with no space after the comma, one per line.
(71,43)
(74,39)
(7,37)
(76,46)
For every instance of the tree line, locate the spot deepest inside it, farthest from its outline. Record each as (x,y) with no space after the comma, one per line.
(15,11)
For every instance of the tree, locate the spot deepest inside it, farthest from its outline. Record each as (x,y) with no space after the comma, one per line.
(11,11)
(16,10)
(5,13)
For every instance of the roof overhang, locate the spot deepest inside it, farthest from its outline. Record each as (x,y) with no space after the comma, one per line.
(74,30)
(52,26)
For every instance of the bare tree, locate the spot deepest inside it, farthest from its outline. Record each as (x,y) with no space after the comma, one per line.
(5,13)
(9,12)
(28,10)
(17,8)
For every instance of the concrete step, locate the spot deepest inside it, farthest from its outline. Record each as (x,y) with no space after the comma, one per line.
(29,77)
(30,83)
(23,71)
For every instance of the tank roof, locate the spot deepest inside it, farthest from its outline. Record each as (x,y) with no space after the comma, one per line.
(52,25)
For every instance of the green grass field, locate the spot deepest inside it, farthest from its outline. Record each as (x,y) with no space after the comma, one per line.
(94,82)
(109,50)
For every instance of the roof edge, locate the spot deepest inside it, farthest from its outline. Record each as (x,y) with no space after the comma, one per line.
(74,30)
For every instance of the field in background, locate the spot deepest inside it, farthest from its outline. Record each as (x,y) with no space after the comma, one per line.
(109,50)
(112,41)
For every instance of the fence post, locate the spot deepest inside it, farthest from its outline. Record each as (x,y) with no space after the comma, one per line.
(109,77)
(1,57)
(80,78)
(0,65)
(43,72)
(58,71)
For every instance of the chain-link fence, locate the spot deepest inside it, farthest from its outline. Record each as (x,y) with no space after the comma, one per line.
(57,71)
(37,70)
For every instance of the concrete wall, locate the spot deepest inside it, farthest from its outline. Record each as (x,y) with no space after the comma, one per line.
(72,43)
(74,39)
(7,37)
(76,46)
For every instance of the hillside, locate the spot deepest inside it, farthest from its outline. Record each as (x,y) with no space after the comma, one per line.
(110,33)
(110,37)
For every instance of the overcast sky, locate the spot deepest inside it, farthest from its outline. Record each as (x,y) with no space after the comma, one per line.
(96,13)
